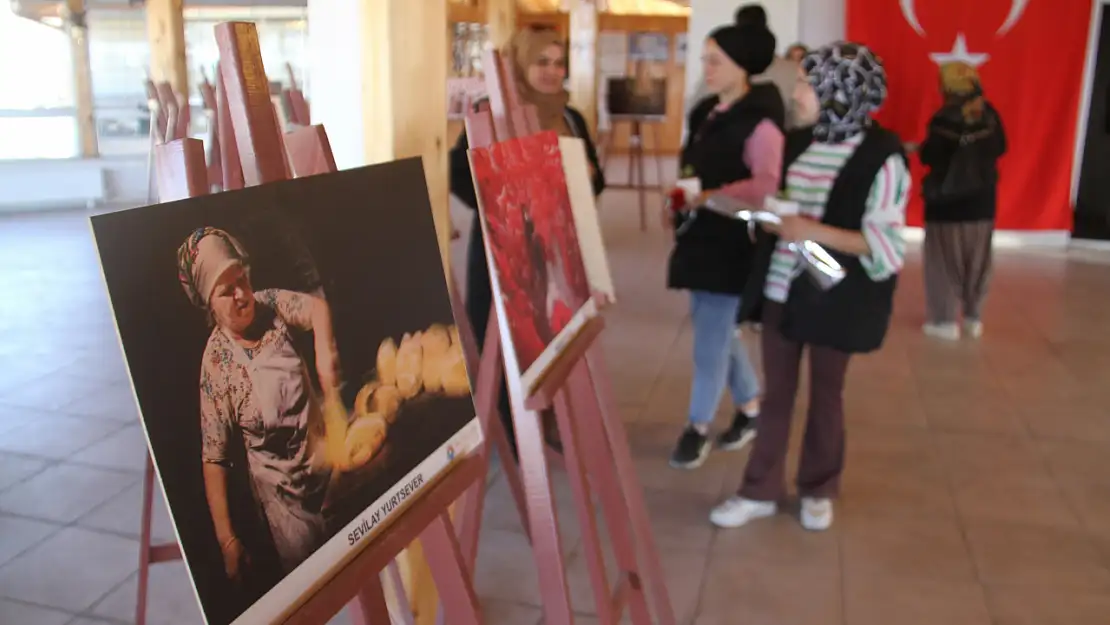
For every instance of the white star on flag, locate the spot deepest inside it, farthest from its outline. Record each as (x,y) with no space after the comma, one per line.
(959,54)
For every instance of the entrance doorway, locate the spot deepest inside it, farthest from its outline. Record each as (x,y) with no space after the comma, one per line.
(1092,204)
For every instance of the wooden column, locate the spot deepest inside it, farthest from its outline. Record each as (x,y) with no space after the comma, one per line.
(378,84)
(583,59)
(165,28)
(78,33)
(501,17)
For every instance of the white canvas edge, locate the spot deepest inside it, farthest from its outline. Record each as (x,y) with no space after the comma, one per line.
(317,569)
(576,169)
(547,357)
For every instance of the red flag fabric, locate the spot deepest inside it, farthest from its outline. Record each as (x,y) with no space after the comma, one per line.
(1030,56)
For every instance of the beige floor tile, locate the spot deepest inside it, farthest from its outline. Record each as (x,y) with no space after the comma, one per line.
(53,436)
(121,515)
(15,613)
(1048,557)
(65,492)
(503,613)
(18,534)
(171,598)
(125,450)
(779,540)
(1042,606)
(878,601)
(905,549)
(111,402)
(757,593)
(70,571)
(15,468)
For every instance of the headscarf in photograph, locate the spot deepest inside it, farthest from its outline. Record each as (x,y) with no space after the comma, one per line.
(202,258)
(850,83)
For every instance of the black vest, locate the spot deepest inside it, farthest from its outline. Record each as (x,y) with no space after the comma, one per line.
(712,252)
(854,315)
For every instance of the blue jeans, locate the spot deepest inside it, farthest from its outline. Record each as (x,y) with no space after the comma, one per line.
(719,356)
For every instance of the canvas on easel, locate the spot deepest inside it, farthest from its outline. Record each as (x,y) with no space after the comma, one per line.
(298,372)
(532,245)
(576,169)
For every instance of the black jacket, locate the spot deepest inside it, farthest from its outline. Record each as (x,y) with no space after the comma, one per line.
(937,151)
(712,252)
(853,316)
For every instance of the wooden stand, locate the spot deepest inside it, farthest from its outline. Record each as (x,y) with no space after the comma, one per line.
(181,173)
(597,457)
(636,178)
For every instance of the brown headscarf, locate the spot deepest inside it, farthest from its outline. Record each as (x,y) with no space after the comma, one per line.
(525,49)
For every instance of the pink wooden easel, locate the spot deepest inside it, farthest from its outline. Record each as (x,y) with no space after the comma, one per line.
(594,438)
(251,130)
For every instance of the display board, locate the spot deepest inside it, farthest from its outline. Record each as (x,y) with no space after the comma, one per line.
(300,379)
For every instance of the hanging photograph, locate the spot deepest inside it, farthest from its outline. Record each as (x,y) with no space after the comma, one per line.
(650,47)
(462,93)
(298,371)
(541,288)
(680,49)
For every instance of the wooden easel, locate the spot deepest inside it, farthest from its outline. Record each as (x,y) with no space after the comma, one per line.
(597,457)
(251,131)
(636,178)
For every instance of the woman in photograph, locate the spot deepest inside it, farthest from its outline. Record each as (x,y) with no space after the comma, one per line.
(964,141)
(735,149)
(540,62)
(257,399)
(850,180)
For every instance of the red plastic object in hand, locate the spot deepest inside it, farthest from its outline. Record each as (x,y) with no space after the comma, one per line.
(676,200)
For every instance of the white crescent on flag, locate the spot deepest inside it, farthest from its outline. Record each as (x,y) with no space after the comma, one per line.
(1017,7)
(910,13)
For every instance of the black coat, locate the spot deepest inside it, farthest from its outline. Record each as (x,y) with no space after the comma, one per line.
(937,151)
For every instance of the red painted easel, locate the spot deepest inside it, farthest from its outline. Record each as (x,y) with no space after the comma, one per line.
(252,132)
(597,457)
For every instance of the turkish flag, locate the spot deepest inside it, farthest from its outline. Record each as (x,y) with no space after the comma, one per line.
(1030,56)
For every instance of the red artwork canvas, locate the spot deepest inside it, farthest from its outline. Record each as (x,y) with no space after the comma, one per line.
(532,245)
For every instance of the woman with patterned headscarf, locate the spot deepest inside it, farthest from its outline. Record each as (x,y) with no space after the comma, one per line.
(850,182)
(257,399)
(962,146)
(540,63)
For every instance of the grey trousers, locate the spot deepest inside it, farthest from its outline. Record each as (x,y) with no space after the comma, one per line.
(957,268)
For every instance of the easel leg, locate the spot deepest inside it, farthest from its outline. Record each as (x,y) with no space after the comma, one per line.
(369,607)
(630,485)
(641,181)
(658,157)
(599,459)
(587,517)
(144,542)
(452,578)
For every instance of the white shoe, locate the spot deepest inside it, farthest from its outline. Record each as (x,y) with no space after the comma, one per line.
(973,328)
(817,514)
(737,511)
(945,331)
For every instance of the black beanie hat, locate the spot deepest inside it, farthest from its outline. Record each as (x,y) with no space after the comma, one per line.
(750,46)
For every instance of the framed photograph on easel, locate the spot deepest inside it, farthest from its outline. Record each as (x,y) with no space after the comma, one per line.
(299,376)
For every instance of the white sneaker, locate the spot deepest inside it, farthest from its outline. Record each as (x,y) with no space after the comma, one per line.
(817,514)
(737,511)
(945,331)
(973,328)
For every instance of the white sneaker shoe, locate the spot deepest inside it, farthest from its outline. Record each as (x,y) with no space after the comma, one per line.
(737,511)
(817,514)
(945,331)
(973,328)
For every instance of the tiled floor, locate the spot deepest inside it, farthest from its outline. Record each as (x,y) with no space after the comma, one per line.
(977,490)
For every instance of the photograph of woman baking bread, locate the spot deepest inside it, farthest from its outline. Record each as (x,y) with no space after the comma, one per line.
(289,381)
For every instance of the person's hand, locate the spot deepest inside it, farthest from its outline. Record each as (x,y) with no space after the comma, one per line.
(794,228)
(327,364)
(235,558)
(911,146)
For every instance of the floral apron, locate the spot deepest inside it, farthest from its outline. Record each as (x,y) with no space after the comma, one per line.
(276,437)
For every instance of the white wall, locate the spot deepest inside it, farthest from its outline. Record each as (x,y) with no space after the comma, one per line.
(333,56)
(820,21)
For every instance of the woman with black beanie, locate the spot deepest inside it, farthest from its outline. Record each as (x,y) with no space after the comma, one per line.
(735,149)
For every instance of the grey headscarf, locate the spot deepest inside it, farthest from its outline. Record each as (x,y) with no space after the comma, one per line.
(850,83)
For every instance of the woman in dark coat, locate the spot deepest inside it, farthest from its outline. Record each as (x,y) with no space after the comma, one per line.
(964,142)
(540,60)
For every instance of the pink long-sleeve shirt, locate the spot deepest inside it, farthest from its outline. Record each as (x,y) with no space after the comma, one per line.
(763,157)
